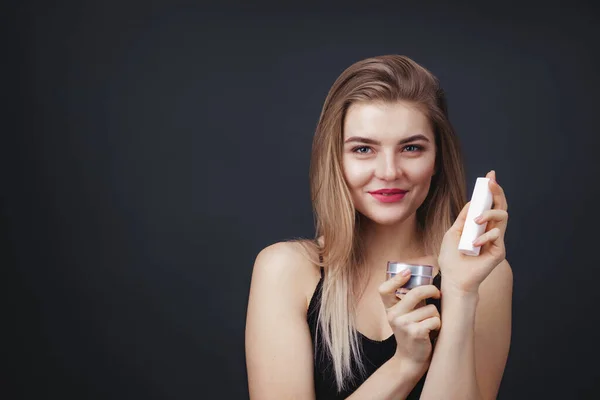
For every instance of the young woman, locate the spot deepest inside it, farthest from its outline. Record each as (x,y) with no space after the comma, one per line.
(387,183)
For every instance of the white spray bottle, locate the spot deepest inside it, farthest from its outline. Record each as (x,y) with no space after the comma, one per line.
(481,201)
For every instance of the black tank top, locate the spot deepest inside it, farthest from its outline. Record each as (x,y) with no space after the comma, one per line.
(375,354)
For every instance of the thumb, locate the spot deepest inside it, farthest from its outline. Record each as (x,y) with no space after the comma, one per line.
(459,223)
(387,290)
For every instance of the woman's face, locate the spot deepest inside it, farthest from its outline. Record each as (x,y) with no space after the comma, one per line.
(388,159)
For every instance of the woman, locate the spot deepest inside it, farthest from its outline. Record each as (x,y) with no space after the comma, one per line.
(387,183)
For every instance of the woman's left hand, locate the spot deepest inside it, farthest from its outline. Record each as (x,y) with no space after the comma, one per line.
(465,273)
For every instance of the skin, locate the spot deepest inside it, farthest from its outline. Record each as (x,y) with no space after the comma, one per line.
(374,158)
(474,337)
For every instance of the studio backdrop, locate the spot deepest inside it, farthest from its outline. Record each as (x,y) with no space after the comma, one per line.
(152,150)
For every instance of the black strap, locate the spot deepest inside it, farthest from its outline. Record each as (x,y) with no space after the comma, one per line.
(320,258)
(322,269)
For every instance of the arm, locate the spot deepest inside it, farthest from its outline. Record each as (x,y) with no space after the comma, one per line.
(393,380)
(279,356)
(473,344)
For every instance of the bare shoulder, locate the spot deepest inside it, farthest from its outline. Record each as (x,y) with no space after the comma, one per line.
(283,256)
(286,267)
(279,355)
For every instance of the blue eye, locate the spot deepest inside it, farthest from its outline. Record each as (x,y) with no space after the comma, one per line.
(417,148)
(360,149)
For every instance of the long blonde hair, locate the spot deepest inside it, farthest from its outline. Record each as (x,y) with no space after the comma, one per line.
(387,78)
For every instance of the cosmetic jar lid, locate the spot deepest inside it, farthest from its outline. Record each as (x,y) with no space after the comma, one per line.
(395,267)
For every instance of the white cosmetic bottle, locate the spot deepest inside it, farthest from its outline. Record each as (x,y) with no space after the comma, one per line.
(481,201)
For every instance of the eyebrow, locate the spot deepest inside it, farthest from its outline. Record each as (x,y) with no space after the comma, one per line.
(359,139)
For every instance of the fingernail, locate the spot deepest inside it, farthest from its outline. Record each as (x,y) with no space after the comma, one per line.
(476,242)
(406,272)
(478,219)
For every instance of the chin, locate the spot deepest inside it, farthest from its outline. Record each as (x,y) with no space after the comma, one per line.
(385,218)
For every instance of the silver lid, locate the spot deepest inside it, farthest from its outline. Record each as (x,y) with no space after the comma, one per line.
(395,267)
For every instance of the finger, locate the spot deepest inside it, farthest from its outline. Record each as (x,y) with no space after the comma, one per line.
(387,290)
(459,223)
(500,217)
(400,293)
(411,300)
(431,324)
(421,314)
(490,236)
(424,328)
(498,196)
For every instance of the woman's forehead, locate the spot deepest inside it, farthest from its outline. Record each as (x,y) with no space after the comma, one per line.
(380,121)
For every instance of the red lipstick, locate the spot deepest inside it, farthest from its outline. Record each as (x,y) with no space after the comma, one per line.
(388,195)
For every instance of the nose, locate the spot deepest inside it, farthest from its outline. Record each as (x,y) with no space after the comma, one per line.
(387,169)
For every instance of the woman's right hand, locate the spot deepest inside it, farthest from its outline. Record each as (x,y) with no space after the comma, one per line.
(411,320)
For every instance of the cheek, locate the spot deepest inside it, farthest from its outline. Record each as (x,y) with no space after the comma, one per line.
(422,169)
(357,174)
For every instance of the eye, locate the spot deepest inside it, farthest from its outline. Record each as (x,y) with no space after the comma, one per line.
(416,147)
(361,150)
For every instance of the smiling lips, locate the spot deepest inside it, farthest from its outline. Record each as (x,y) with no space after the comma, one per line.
(388,195)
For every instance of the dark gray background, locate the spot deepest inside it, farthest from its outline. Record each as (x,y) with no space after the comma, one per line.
(151,150)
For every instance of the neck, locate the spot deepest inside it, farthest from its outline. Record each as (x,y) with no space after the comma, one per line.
(385,243)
